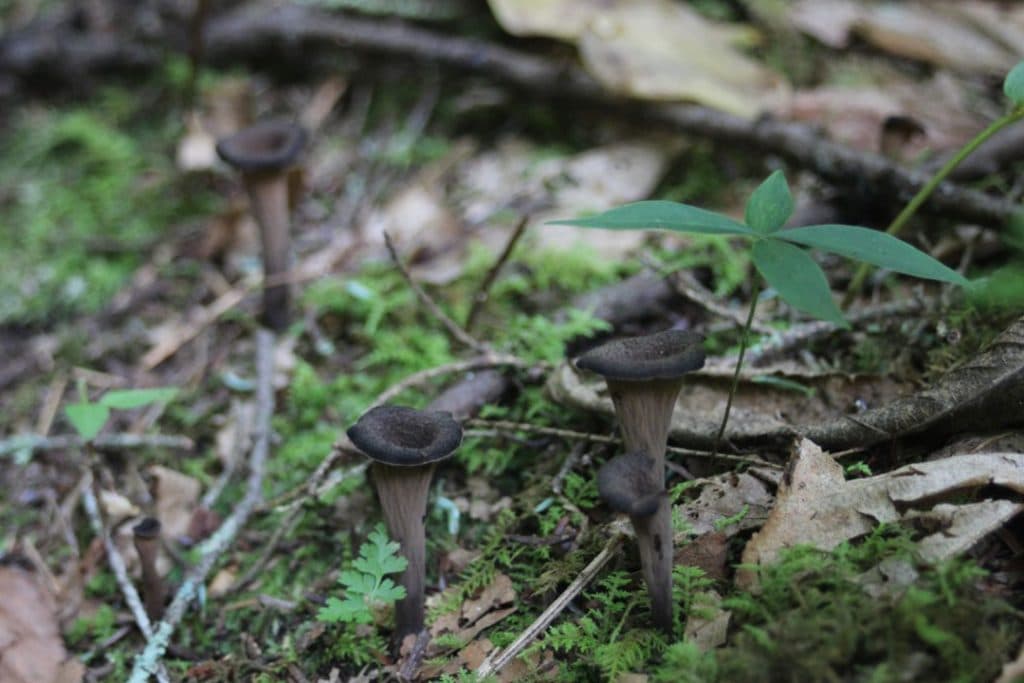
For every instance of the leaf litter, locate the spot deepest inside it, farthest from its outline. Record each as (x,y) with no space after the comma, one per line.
(728,506)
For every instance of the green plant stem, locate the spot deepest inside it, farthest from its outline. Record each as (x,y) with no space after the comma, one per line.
(926,191)
(739,365)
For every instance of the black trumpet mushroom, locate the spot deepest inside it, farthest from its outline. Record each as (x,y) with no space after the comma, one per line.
(644,376)
(263,153)
(405,444)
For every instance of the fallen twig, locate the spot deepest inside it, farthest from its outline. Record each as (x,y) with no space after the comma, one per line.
(497,660)
(490,359)
(35,442)
(506,426)
(485,287)
(781,342)
(687,286)
(210,551)
(458,334)
(235,33)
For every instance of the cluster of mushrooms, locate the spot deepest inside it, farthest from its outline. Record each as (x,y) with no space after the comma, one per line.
(644,376)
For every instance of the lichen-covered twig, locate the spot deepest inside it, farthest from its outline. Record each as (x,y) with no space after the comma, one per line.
(35,442)
(117,566)
(458,334)
(499,659)
(506,426)
(147,662)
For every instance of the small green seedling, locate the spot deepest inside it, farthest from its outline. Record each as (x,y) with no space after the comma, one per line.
(778,254)
(366,585)
(88,417)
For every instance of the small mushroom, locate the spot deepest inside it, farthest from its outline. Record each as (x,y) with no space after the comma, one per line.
(146,537)
(644,376)
(263,153)
(405,445)
(627,484)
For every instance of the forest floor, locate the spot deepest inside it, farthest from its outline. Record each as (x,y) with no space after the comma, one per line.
(858,520)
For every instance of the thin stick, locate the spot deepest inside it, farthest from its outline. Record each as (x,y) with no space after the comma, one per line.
(485,287)
(739,366)
(34,442)
(460,335)
(149,659)
(284,528)
(488,360)
(506,426)
(496,661)
(685,285)
(117,566)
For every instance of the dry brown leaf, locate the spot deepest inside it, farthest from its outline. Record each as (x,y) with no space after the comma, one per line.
(569,185)
(116,507)
(973,37)
(654,49)
(222,581)
(476,614)
(921,31)
(708,625)
(816,506)
(856,115)
(657,49)
(31,648)
(829,21)
(499,592)
(961,526)
(728,496)
(176,496)
(564,19)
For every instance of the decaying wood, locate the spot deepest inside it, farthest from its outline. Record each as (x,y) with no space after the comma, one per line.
(289,34)
(984,394)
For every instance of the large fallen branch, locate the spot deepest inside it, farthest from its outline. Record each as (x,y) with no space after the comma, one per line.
(293,26)
(291,33)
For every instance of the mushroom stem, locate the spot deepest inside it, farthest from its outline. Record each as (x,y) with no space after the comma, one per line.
(268,195)
(645,410)
(654,541)
(403,498)
(146,536)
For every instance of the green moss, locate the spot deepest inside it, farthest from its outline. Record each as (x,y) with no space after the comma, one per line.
(84,199)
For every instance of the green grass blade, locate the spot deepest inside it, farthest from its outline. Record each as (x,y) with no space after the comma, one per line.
(797,278)
(874,247)
(661,215)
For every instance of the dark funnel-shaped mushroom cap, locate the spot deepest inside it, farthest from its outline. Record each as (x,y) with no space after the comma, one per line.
(147,528)
(396,435)
(627,483)
(663,355)
(263,148)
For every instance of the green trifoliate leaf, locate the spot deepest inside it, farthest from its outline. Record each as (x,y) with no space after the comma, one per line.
(771,204)
(661,215)
(875,247)
(1013,86)
(87,418)
(797,278)
(126,399)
